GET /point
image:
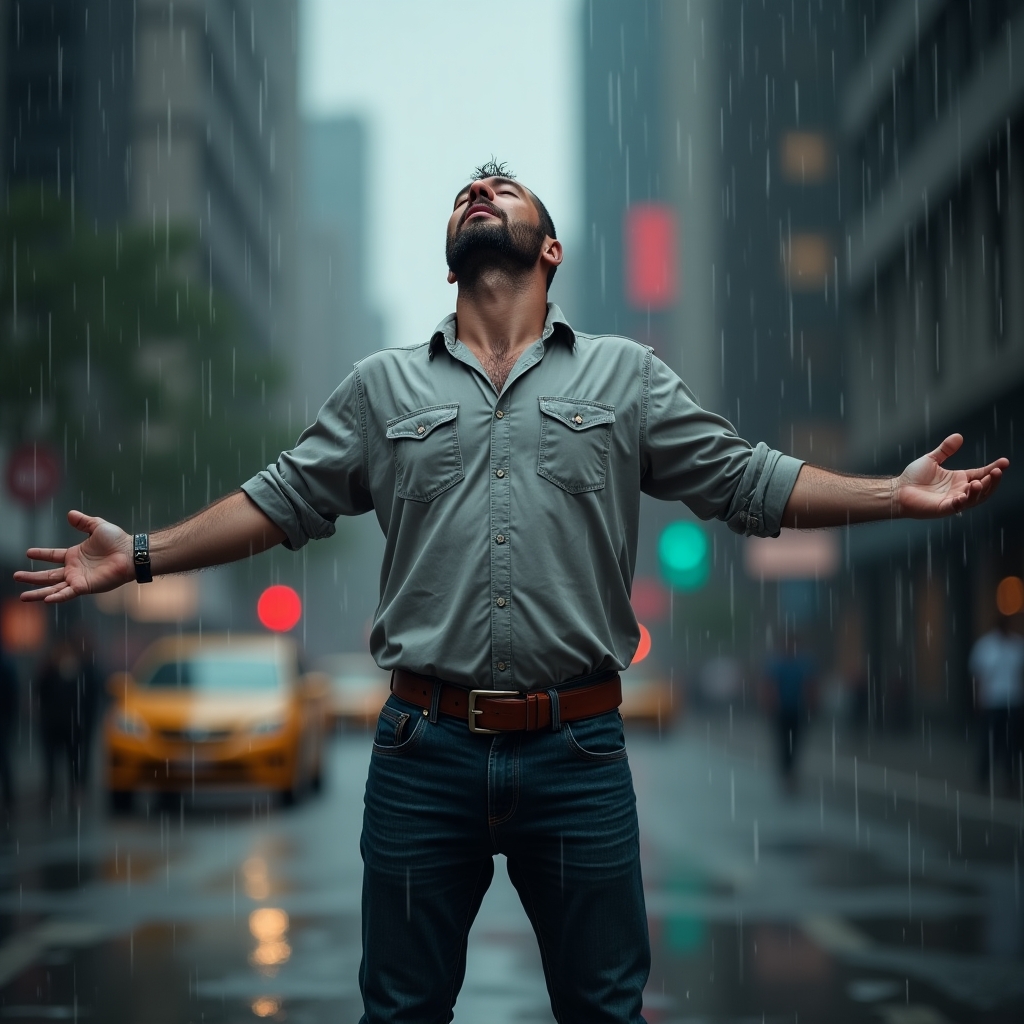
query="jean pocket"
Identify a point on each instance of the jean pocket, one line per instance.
(397, 731)
(596, 739)
(428, 460)
(575, 438)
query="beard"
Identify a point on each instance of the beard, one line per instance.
(512, 248)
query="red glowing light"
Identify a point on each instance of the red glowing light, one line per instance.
(651, 255)
(644, 647)
(279, 608)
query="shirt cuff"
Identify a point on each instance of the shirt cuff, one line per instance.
(287, 509)
(760, 499)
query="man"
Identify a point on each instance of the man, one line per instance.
(997, 664)
(9, 702)
(790, 681)
(504, 460)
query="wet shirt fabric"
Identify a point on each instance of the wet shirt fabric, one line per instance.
(511, 517)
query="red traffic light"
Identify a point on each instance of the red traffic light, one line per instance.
(279, 608)
(644, 647)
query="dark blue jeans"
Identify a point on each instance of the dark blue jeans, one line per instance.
(440, 803)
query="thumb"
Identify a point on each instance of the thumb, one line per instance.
(948, 447)
(80, 521)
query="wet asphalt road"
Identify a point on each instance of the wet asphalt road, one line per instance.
(894, 900)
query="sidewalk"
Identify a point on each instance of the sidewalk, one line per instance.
(935, 769)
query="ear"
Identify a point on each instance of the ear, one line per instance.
(551, 253)
(451, 278)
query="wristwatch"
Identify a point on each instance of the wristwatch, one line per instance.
(140, 556)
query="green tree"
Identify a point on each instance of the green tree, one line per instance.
(117, 353)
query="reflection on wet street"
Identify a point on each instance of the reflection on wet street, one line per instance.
(863, 898)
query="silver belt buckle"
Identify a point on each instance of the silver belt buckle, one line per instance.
(474, 711)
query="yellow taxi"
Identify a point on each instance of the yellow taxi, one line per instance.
(215, 712)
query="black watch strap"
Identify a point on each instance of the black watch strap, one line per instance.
(140, 556)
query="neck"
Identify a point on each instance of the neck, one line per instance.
(501, 312)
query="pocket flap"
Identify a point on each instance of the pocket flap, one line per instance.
(577, 414)
(418, 425)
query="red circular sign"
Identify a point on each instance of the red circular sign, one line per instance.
(33, 473)
(279, 608)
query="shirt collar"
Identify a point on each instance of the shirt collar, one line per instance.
(555, 327)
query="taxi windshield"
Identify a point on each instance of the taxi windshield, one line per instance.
(215, 673)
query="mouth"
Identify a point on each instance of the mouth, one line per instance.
(479, 210)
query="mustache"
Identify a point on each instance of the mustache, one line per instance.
(488, 206)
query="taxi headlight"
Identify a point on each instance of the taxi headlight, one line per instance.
(268, 727)
(130, 724)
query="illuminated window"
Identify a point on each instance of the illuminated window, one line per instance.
(806, 157)
(807, 262)
(651, 263)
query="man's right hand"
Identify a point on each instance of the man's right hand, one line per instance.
(103, 561)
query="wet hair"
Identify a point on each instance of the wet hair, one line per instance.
(495, 169)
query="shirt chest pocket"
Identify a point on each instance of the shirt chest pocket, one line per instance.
(575, 439)
(428, 460)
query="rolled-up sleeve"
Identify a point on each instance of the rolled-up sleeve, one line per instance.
(695, 456)
(324, 476)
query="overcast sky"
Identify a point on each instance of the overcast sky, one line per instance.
(444, 84)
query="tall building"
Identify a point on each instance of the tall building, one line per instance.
(177, 113)
(336, 327)
(932, 116)
(714, 219)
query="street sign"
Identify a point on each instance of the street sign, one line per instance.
(33, 473)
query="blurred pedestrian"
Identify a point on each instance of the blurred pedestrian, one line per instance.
(790, 678)
(8, 723)
(68, 692)
(997, 664)
(504, 457)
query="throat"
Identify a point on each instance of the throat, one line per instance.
(498, 360)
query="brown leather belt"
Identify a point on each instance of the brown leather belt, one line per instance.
(490, 711)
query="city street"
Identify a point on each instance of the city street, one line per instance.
(872, 895)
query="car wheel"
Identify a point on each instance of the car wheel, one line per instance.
(120, 800)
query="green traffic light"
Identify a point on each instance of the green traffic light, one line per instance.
(683, 556)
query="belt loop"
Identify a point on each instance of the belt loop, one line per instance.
(556, 714)
(435, 700)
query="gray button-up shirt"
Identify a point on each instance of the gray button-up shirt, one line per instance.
(511, 517)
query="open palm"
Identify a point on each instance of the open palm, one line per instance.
(927, 490)
(101, 562)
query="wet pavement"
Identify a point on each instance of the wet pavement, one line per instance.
(862, 898)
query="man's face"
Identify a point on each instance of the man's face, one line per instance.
(494, 223)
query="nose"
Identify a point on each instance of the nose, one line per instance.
(480, 189)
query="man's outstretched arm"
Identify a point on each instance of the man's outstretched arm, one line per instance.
(924, 490)
(225, 531)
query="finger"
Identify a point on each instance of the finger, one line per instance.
(993, 467)
(80, 521)
(43, 593)
(948, 447)
(46, 554)
(60, 595)
(37, 576)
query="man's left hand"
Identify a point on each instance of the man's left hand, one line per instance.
(926, 490)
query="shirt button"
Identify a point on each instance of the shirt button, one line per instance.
(500, 414)
(501, 666)
(419, 430)
(500, 474)
(500, 539)
(500, 602)
(577, 419)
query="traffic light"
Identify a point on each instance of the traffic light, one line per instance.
(683, 556)
(279, 608)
